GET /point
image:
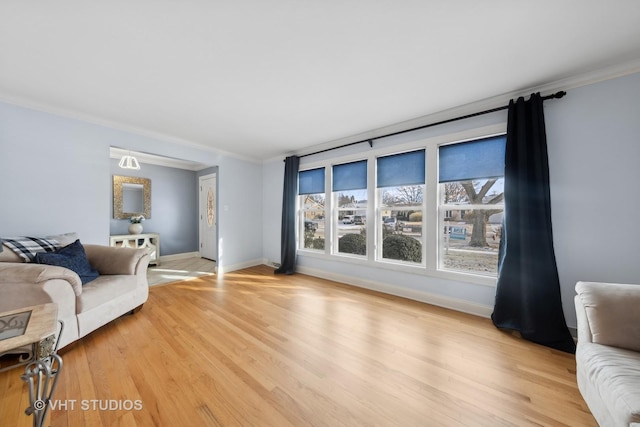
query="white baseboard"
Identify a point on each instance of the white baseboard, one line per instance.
(574, 333)
(416, 295)
(246, 264)
(270, 263)
(219, 269)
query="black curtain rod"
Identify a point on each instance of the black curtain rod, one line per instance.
(556, 95)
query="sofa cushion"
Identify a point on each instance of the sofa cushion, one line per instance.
(104, 288)
(612, 311)
(615, 374)
(72, 257)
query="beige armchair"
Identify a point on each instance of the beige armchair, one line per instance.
(608, 351)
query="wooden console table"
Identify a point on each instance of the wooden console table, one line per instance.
(145, 240)
(34, 330)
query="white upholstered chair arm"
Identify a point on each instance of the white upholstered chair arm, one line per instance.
(609, 313)
(113, 260)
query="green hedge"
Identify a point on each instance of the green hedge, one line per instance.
(403, 248)
(353, 244)
(318, 243)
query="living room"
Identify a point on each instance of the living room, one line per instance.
(57, 172)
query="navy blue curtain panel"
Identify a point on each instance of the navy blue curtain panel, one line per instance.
(528, 296)
(288, 238)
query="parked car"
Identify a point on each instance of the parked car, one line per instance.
(347, 219)
(358, 219)
(390, 222)
(310, 225)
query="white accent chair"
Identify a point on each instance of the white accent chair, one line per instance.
(608, 351)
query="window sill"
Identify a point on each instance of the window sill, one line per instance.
(405, 268)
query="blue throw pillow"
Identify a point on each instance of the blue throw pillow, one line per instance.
(72, 257)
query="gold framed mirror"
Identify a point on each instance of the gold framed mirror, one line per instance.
(131, 197)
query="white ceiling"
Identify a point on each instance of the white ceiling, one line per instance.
(263, 78)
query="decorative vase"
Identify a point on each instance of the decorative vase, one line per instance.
(135, 228)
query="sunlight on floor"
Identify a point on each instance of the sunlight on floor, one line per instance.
(183, 269)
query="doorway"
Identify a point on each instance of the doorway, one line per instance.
(208, 217)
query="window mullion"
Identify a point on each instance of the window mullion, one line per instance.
(431, 200)
(330, 215)
(372, 217)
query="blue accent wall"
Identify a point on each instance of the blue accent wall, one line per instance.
(174, 207)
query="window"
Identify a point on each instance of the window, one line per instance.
(431, 207)
(470, 211)
(350, 215)
(400, 206)
(312, 208)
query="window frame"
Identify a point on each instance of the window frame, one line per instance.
(335, 219)
(429, 266)
(443, 237)
(301, 213)
(301, 224)
(379, 208)
(444, 207)
(336, 209)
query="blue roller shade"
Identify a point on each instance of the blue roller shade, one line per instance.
(401, 169)
(480, 159)
(311, 181)
(350, 176)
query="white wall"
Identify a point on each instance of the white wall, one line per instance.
(240, 214)
(272, 187)
(55, 175)
(594, 160)
(594, 154)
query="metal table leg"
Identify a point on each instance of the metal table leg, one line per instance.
(41, 375)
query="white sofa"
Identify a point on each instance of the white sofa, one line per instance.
(608, 351)
(121, 287)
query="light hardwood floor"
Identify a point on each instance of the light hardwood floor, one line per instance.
(255, 349)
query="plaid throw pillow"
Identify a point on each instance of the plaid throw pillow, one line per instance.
(27, 247)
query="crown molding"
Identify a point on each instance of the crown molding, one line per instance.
(153, 159)
(91, 119)
(583, 79)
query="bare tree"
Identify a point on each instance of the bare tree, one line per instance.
(454, 192)
(407, 195)
(345, 200)
(479, 218)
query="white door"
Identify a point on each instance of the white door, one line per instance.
(208, 217)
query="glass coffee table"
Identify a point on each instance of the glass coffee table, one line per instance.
(34, 331)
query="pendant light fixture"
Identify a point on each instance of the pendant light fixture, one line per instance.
(129, 162)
